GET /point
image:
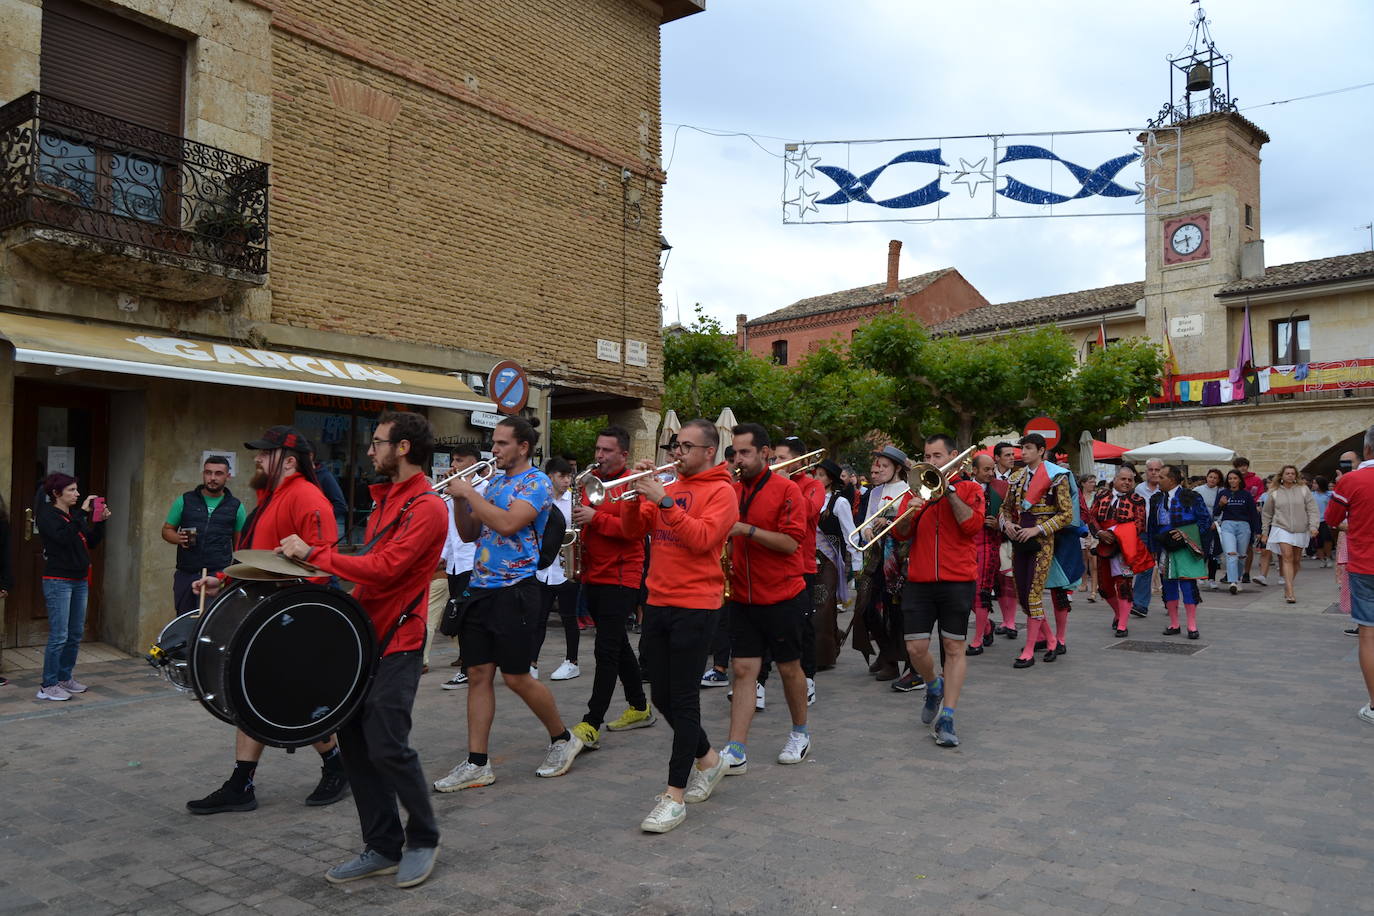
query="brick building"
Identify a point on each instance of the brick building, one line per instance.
(788, 334)
(226, 214)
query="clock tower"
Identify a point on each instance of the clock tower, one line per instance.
(1202, 207)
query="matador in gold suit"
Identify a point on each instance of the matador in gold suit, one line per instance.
(1046, 504)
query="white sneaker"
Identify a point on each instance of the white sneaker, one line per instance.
(758, 696)
(55, 692)
(560, 757)
(810, 692)
(534, 672)
(466, 775)
(795, 749)
(701, 783)
(735, 764)
(666, 815)
(1366, 714)
(1259, 580)
(454, 683)
(566, 671)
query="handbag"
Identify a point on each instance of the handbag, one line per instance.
(451, 624)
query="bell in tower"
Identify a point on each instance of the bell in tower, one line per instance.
(1198, 67)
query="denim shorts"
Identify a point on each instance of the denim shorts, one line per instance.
(1362, 598)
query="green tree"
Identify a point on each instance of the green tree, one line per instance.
(832, 401)
(704, 372)
(1112, 387)
(575, 439)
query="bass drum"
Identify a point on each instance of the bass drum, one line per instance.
(171, 654)
(287, 664)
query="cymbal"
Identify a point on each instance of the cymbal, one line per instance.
(273, 565)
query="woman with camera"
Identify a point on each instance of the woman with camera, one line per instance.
(69, 533)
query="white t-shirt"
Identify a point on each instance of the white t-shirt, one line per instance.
(554, 574)
(459, 555)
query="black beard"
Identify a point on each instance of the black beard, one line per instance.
(259, 481)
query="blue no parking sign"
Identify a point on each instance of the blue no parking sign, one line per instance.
(509, 387)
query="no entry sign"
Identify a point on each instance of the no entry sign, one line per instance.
(1045, 427)
(509, 387)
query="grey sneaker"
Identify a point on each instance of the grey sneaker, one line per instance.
(666, 815)
(416, 864)
(54, 692)
(72, 686)
(466, 775)
(364, 865)
(560, 757)
(701, 783)
(943, 732)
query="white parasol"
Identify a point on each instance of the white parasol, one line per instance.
(671, 426)
(1181, 450)
(724, 424)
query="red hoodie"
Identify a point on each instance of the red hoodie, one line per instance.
(942, 549)
(397, 570)
(684, 565)
(759, 575)
(608, 556)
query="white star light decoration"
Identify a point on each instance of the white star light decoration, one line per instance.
(972, 174)
(803, 162)
(1151, 152)
(804, 202)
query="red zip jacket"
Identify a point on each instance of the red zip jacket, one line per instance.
(942, 549)
(813, 498)
(608, 556)
(397, 570)
(297, 507)
(759, 575)
(684, 565)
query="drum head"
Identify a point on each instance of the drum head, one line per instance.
(175, 643)
(297, 664)
(270, 562)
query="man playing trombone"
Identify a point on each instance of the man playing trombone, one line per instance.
(877, 605)
(942, 573)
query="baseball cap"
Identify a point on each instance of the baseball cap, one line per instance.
(282, 437)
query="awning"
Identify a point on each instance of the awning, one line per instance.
(1105, 451)
(137, 351)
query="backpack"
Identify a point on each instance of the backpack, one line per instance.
(551, 541)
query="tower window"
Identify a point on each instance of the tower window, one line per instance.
(1249, 217)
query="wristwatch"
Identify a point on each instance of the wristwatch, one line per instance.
(666, 502)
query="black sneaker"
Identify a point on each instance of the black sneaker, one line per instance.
(224, 799)
(1138, 612)
(908, 682)
(333, 786)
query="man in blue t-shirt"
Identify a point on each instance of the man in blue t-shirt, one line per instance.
(502, 601)
(203, 524)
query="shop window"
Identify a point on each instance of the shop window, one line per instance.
(1290, 340)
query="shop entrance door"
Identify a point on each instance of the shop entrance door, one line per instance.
(56, 428)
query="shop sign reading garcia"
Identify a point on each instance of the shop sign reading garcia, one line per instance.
(509, 387)
(262, 359)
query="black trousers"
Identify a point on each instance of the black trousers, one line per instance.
(720, 645)
(566, 596)
(808, 626)
(457, 584)
(675, 642)
(381, 765)
(611, 606)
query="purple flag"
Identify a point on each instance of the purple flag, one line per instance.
(1245, 358)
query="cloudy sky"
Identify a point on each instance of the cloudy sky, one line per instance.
(809, 70)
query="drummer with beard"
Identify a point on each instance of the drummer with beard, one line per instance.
(405, 536)
(289, 502)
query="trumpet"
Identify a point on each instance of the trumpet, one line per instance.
(480, 472)
(931, 484)
(597, 491)
(810, 460)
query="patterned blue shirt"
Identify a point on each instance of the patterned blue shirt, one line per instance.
(502, 560)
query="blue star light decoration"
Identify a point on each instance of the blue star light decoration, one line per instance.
(972, 174)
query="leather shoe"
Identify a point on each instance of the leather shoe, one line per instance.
(1041, 644)
(1023, 662)
(1194, 634)
(974, 650)
(1172, 631)
(1049, 656)
(875, 667)
(988, 640)
(1121, 633)
(887, 672)
(1061, 649)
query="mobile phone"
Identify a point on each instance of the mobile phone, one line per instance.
(1347, 465)
(98, 508)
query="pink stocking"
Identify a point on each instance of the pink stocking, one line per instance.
(1191, 609)
(1047, 634)
(1173, 613)
(1006, 600)
(1061, 624)
(1123, 609)
(1032, 635)
(980, 620)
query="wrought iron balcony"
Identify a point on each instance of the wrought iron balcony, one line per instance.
(71, 169)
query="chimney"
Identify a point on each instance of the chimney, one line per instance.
(894, 257)
(741, 335)
(1252, 260)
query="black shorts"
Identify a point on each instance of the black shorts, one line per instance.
(776, 628)
(498, 624)
(926, 604)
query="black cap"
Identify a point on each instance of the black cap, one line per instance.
(831, 469)
(670, 444)
(282, 437)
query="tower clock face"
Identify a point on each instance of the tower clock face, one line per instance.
(1186, 239)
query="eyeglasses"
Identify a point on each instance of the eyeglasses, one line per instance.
(377, 442)
(685, 446)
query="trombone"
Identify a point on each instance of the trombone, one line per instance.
(480, 472)
(597, 490)
(810, 460)
(931, 483)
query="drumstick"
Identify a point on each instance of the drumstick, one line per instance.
(204, 573)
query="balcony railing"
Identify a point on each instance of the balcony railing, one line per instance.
(1313, 381)
(79, 171)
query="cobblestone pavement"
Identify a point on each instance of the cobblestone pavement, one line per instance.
(1109, 782)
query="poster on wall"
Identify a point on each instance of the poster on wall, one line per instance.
(231, 457)
(62, 459)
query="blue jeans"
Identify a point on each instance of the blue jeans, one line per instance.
(1140, 598)
(1235, 540)
(66, 600)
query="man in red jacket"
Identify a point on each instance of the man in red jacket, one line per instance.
(942, 573)
(813, 499)
(289, 502)
(407, 532)
(688, 520)
(612, 568)
(768, 594)
(1352, 502)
